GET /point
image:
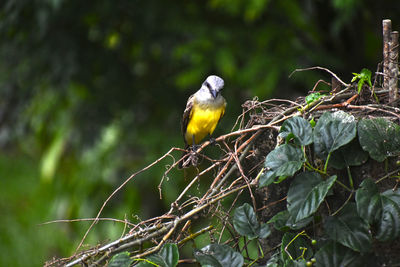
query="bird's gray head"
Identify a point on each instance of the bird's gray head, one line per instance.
(213, 84)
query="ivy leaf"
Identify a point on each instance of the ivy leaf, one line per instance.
(284, 160)
(332, 131)
(293, 250)
(120, 260)
(246, 223)
(266, 178)
(279, 220)
(380, 137)
(215, 255)
(299, 128)
(368, 201)
(389, 226)
(168, 256)
(349, 155)
(333, 254)
(306, 193)
(349, 229)
(283, 221)
(313, 97)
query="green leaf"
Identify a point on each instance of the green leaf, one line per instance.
(294, 248)
(266, 178)
(246, 223)
(168, 256)
(332, 131)
(120, 260)
(349, 229)
(368, 201)
(313, 97)
(299, 128)
(306, 193)
(380, 137)
(280, 219)
(284, 160)
(389, 226)
(283, 221)
(215, 255)
(365, 75)
(333, 254)
(349, 155)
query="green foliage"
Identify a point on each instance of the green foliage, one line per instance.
(313, 97)
(306, 193)
(297, 128)
(284, 161)
(363, 77)
(350, 230)
(215, 255)
(85, 105)
(374, 135)
(168, 256)
(246, 223)
(333, 254)
(120, 260)
(332, 131)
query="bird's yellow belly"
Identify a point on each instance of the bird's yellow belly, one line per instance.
(202, 123)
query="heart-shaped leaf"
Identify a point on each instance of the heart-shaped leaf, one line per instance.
(333, 254)
(380, 137)
(120, 260)
(368, 201)
(389, 226)
(215, 255)
(332, 131)
(168, 256)
(349, 229)
(299, 128)
(349, 155)
(246, 223)
(284, 160)
(306, 193)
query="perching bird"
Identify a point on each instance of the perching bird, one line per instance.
(204, 109)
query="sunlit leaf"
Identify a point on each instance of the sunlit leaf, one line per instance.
(380, 137)
(215, 255)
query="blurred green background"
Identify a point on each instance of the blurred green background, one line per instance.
(92, 91)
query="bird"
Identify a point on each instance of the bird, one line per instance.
(204, 109)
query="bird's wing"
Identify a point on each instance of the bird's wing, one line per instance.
(187, 114)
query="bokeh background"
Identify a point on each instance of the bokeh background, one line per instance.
(92, 91)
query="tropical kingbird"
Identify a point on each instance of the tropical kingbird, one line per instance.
(203, 111)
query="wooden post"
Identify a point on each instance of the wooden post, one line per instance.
(390, 60)
(387, 29)
(393, 67)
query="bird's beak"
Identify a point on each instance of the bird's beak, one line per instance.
(214, 93)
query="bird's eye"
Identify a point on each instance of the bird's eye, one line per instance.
(208, 85)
